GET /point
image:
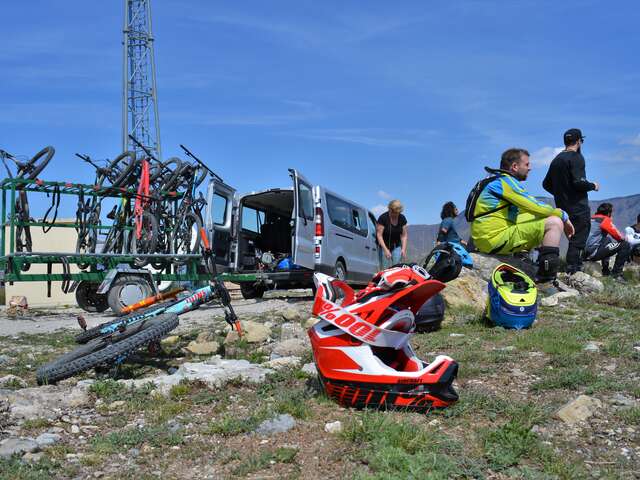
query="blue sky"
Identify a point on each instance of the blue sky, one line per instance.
(375, 100)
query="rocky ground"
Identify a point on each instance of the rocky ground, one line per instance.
(560, 400)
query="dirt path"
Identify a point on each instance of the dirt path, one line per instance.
(50, 320)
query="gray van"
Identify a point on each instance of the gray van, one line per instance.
(277, 238)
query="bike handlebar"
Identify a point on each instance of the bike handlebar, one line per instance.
(201, 163)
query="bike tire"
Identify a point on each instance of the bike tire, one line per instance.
(33, 174)
(125, 174)
(98, 353)
(94, 332)
(179, 239)
(148, 240)
(88, 299)
(166, 168)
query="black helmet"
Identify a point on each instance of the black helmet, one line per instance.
(443, 263)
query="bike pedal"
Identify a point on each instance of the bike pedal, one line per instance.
(82, 322)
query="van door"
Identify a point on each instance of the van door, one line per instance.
(372, 243)
(303, 221)
(219, 221)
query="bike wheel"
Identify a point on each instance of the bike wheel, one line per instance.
(158, 171)
(33, 167)
(95, 332)
(123, 169)
(186, 237)
(88, 299)
(107, 350)
(148, 238)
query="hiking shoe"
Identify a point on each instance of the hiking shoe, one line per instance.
(549, 287)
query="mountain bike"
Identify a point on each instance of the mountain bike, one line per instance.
(112, 342)
(28, 170)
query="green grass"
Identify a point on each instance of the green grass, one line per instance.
(120, 441)
(15, 469)
(264, 459)
(230, 425)
(36, 424)
(630, 416)
(617, 295)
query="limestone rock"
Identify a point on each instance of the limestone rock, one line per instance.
(468, 290)
(13, 445)
(483, 265)
(333, 427)
(44, 402)
(291, 314)
(281, 423)
(204, 348)
(213, 372)
(310, 322)
(553, 300)
(583, 282)
(206, 336)
(252, 332)
(292, 347)
(310, 368)
(291, 330)
(593, 347)
(12, 381)
(578, 409)
(46, 439)
(170, 341)
(283, 363)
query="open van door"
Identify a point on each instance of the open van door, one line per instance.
(219, 218)
(302, 221)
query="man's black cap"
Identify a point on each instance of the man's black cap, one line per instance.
(572, 135)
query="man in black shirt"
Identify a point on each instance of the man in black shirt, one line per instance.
(566, 181)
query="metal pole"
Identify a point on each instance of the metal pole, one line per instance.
(154, 88)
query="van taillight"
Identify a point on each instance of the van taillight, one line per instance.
(319, 222)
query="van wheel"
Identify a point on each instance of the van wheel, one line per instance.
(250, 291)
(340, 271)
(127, 290)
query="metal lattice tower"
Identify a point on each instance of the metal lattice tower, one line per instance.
(139, 94)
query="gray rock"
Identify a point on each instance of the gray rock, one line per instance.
(30, 457)
(12, 381)
(174, 426)
(310, 322)
(584, 283)
(45, 402)
(621, 400)
(46, 439)
(253, 332)
(283, 363)
(291, 314)
(310, 368)
(203, 348)
(13, 445)
(4, 359)
(213, 372)
(294, 347)
(333, 427)
(133, 452)
(279, 424)
(593, 347)
(291, 330)
(553, 300)
(483, 265)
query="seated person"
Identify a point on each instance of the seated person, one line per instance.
(633, 237)
(507, 219)
(605, 241)
(447, 231)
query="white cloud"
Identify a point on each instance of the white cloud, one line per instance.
(544, 156)
(378, 209)
(635, 141)
(375, 137)
(384, 195)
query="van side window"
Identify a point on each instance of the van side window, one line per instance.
(339, 212)
(219, 209)
(252, 219)
(359, 221)
(305, 207)
(372, 227)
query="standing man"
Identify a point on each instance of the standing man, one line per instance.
(566, 181)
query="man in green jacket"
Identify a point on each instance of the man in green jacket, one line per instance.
(507, 219)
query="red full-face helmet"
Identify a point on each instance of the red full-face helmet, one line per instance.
(361, 343)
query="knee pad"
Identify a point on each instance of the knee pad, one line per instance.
(548, 263)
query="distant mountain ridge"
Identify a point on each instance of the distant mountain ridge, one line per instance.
(422, 237)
